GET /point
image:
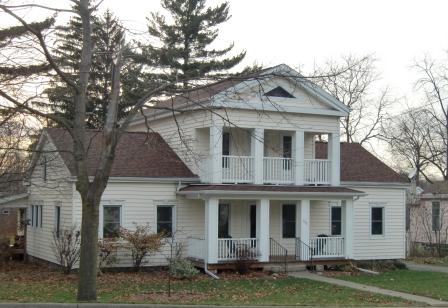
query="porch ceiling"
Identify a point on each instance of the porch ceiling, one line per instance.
(248, 191)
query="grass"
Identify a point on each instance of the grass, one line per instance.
(28, 283)
(429, 284)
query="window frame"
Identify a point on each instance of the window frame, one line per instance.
(293, 221)
(57, 220)
(383, 220)
(331, 219)
(433, 203)
(120, 206)
(173, 218)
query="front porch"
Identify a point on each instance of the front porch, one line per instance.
(276, 229)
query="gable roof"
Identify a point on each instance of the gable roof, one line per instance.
(137, 155)
(359, 165)
(220, 90)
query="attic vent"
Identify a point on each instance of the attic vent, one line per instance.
(279, 92)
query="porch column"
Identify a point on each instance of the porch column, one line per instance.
(215, 154)
(257, 150)
(334, 145)
(211, 229)
(299, 156)
(263, 229)
(304, 227)
(348, 228)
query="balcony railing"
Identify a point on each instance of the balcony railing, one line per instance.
(237, 169)
(278, 170)
(317, 171)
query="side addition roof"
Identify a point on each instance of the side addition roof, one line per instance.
(137, 155)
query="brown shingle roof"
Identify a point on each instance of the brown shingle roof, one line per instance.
(437, 187)
(269, 188)
(359, 165)
(137, 155)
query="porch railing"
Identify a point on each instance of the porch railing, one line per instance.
(325, 247)
(196, 248)
(238, 248)
(320, 248)
(317, 171)
(237, 169)
(278, 170)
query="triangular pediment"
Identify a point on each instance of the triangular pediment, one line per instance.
(279, 92)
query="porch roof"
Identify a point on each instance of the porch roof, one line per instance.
(269, 191)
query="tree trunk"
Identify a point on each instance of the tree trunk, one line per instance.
(89, 251)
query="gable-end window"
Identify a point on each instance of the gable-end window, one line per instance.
(377, 220)
(57, 221)
(165, 219)
(289, 220)
(279, 92)
(40, 215)
(36, 216)
(336, 220)
(436, 216)
(111, 221)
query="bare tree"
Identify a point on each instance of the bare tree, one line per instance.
(66, 245)
(351, 80)
(434, 82)
(407, 137)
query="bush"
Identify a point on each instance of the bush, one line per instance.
(142, 243)
(66, 247)
(244, 260)
(181, 268)
(107, 253)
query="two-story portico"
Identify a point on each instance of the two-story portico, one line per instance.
(263, 190)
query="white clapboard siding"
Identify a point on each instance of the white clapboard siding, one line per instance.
(392, 244)
(57, 190)
(139, 205)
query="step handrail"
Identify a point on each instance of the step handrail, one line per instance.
(299, 245)
(277, 250)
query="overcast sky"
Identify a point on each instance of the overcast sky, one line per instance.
(301, 33)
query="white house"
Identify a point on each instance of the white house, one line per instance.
(236, 168)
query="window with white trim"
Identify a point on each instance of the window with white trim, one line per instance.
(165, 219)
(289, 220)
(435, 211)
(111, 221)
(377, 220)
(336, 220)
(57, 220)
(36, 216)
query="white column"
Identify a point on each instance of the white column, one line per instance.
(263, 229)
(305, 226)
(348, 228)
(215, 154)
(299, 156)
(334, 155)
(257, 150)
(211, 229)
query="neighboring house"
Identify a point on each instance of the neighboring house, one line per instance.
(13, 204)
(238, 168)
(428, 216)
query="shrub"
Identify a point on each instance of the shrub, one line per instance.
(142, 243)
(66, 247)
(107, 255)
(244, 259)
(182, 269)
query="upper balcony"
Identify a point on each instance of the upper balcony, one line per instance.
(259, 156)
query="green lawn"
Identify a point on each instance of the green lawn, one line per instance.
(429, 284)
(33, 284)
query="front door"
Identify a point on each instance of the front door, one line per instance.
(253, 221)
